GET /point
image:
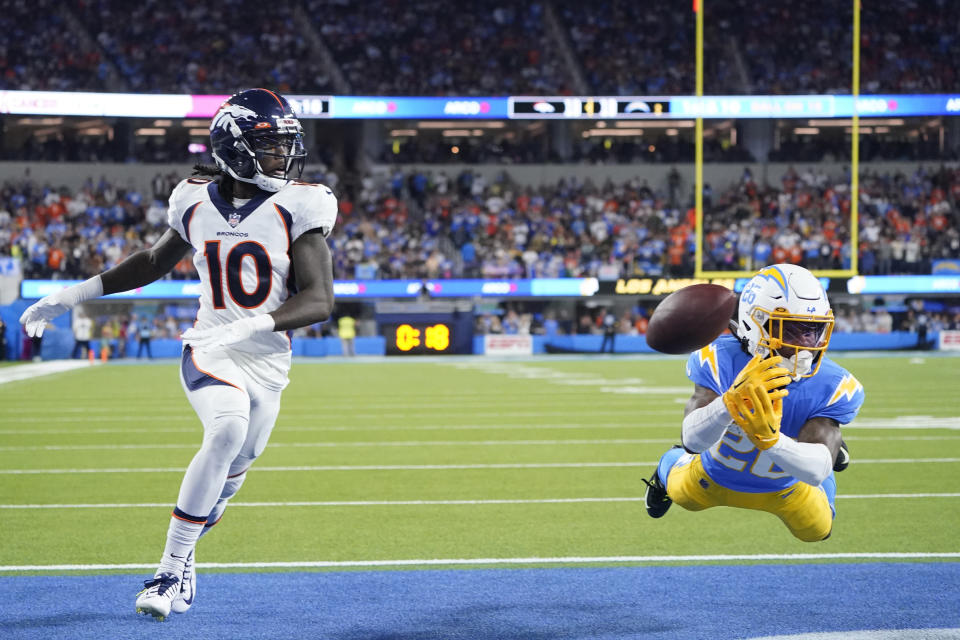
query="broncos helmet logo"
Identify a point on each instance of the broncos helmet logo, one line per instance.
(228, 115)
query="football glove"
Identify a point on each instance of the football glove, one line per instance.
(37, 315)
(755, 400)
(228, 334)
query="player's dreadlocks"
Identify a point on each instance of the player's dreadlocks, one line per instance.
(225, 181)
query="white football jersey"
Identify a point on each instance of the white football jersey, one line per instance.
(243, 256)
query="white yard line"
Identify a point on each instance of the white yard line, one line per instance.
(424, 467)
(335, 445)
(428, 503)
(283, 428)
(333, 564)
(37, 369)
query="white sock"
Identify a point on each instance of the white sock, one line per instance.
(182, 536)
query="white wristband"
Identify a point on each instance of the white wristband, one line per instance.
(808, 462)
(704, 426)
(86, 290)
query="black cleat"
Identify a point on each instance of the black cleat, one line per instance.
(656, 497)
(843, 458)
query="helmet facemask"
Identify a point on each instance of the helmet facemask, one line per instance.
(800, 339)
(784, 310)
(278, 158)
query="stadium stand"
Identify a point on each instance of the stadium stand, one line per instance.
(194, 47)
(67, 65)
(425, 224)
(618, 47)
(478, 49)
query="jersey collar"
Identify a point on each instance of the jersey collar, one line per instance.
(226, 209)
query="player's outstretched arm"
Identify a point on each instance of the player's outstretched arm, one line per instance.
(705, 419)
(144, 267)
(825, 431)
(313, 301)
(138, 270)
(811, 457)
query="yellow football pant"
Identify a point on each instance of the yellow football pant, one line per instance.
(803, 508)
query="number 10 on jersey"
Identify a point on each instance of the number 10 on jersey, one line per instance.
(233, 267)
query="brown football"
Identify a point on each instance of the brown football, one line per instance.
(691, 318)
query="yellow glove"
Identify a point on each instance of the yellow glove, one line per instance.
(755, 400)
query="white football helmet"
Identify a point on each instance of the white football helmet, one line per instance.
(784, 309)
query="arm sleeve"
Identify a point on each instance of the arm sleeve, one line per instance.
(319, 212)
(808, 462)
(704, 426)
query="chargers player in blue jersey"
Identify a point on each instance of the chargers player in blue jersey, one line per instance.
(762, 428)
(258, 237)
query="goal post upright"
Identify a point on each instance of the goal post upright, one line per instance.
(698, 142)
(855, 147)
(699, 271)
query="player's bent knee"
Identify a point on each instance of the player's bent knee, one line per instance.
(225, 436)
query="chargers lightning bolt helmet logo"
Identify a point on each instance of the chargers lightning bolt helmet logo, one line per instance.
(785, 309)
(253, 126)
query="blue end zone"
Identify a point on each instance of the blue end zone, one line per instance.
(541, 604)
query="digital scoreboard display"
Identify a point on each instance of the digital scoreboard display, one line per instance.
(418, 338)
(586, 108)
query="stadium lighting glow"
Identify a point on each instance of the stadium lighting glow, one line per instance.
(846, 122)
(613, 132)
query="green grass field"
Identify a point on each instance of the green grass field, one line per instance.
(422, 433)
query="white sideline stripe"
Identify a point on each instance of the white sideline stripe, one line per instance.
(387, 443)
(906, 423)
(439, 427)
(428, 467)
(372, 467)
(417, 503)
(37, 369)
(774, 557)
(497, 413)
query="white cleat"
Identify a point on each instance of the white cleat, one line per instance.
(188, 587)
(157, 596)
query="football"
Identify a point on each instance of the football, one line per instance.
(691, 318)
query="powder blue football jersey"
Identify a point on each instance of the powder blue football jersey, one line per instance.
(734, 462)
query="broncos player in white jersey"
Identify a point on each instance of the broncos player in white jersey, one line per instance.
(259, 242)
(762, 429)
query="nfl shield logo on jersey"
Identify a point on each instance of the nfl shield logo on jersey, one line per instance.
(234, 219)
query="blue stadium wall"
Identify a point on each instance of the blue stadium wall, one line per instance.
(58, 342)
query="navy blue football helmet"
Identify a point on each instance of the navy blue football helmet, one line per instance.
(254, 128)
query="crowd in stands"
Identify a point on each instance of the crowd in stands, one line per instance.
(433, 225)
(39, 53)
(400, 47)
(423, 48)
(906, 222)
(202, 47)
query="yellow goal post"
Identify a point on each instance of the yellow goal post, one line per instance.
(699, 271)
